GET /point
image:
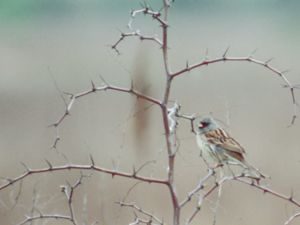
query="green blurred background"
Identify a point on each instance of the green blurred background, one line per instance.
(44, 44)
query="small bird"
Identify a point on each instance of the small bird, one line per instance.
(219, 147)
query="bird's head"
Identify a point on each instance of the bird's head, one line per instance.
(206, 124)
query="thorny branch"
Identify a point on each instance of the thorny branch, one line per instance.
(94, 89)
(169, 115)
(140, 210)
(90, 167)
(265, 64)
(169, 119)
(251, 183)
(68, 190)
(138, 34)
(50, 216)
(146, 10)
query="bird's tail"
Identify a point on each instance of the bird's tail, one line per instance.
(252, 172)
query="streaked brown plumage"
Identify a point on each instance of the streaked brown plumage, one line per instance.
(218, 146)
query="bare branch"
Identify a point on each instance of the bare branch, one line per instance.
(82, 167)
(138, 34)
(292, 218)
(43, 217)
(140, 210)
(146, 11)
(269, 191)
(191, 118)
(94, 89)
(265, 64)
(199, 187)
(240, 178)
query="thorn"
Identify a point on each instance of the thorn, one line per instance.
(103, 80)
(286, 86)
(49, 164)
(131, 85)
(292, 195)
(187, 65)
(92, 161)
(131, 12)
(252, 53)
(57, 139)
(293, 120)
(133, 171)
(69, 94)
(225, 53)
(93, 86)
(268, 61)
(26, 167)
(284, 71)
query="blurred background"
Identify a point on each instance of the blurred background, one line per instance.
(51, 46)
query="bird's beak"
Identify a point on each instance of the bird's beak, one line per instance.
(200, 125)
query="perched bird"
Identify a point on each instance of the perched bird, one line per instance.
(217, 146)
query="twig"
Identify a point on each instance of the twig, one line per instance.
(199, 187)
(292, 218)
(95, 89)
(140, 210)
(90, 167)
(45, 216)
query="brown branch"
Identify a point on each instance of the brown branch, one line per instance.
(269, 191)
(103, 88)
(94, 89)
(90, 167)
(170, 137)
(265, 64)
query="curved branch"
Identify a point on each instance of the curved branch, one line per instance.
(95, 89)
(135, 34)
(106, 87)
(265, 64)
(292, 218)
(91, 167)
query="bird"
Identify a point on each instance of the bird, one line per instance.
(217, 146)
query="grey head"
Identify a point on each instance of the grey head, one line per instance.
(206, 124)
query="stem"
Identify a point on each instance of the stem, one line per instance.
(168, 135)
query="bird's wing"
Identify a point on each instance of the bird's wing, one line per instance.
(222, 139)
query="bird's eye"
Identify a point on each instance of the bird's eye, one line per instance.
(203, 125)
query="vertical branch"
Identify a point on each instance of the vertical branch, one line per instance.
(170, 148)
(165, 36)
